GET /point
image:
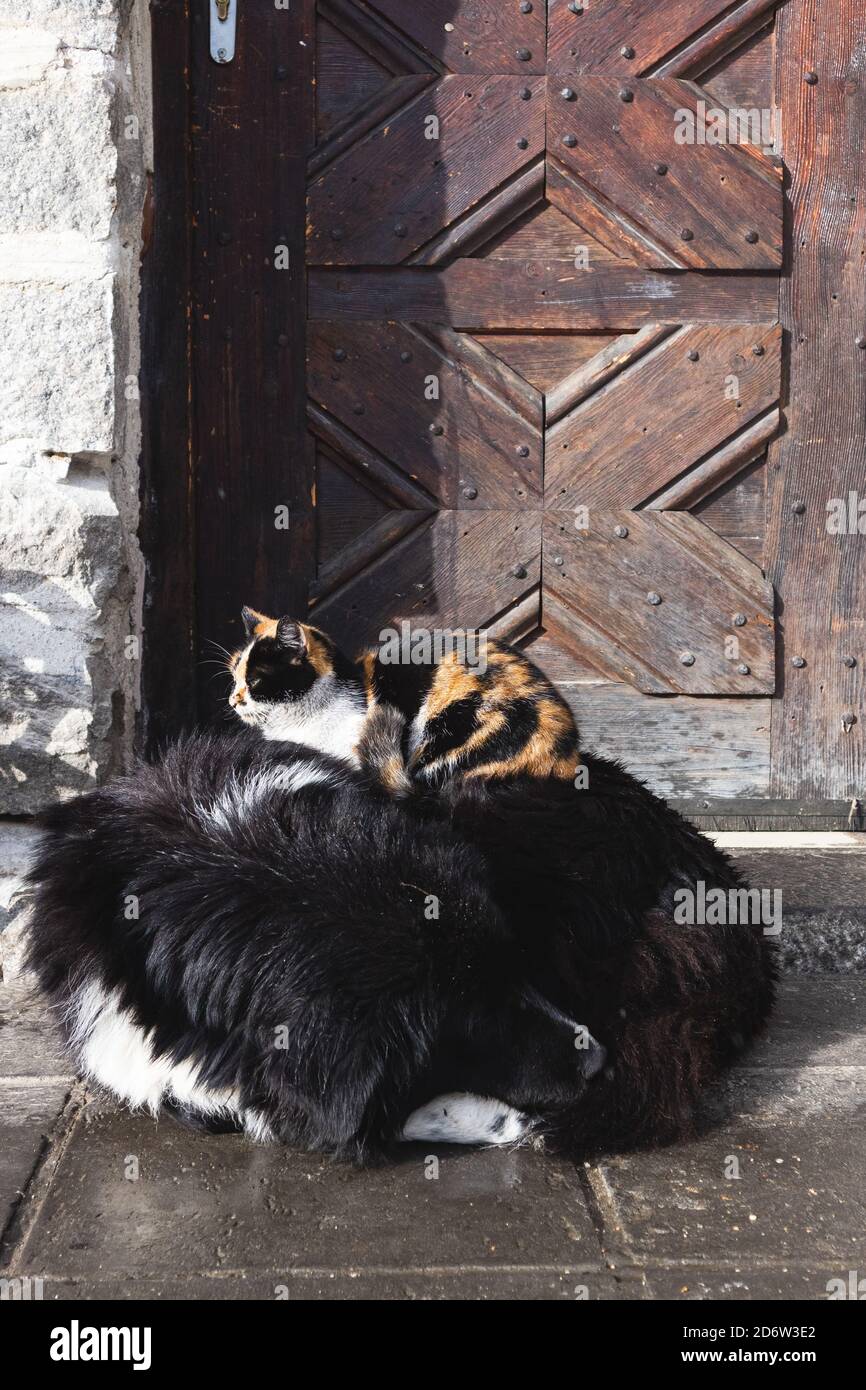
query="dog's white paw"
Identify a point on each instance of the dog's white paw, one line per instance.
(462, 1118)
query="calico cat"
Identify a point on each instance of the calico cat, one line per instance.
(500, 718)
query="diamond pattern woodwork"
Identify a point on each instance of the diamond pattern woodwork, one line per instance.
(500, 190)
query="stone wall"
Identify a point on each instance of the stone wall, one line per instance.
(74, 156)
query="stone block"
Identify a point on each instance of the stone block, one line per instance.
(57, 365)
(58, 157)
(63, 560)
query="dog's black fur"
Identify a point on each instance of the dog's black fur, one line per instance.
(587, 880)
(299, 911)
(309, 911)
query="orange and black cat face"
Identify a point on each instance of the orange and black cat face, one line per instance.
(282, 663)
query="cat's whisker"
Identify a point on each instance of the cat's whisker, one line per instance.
(209, 642)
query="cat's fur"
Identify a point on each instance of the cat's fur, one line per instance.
(499, 718)
(588, 878)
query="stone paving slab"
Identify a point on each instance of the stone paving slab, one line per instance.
(515, 1285)
(818, 1023)
(201, 1203)
(220, 1218)
(799, 1197)
(741, 1283)
(30, 1044)
(809, 878)
(28, 1115)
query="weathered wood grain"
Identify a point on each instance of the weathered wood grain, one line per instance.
(345, 506)
(737, 511)
(545, 232)
(715, 206)
(717, 42)
(613, 358)
(541, 294)
(545, 359)
(482, 223)
(167, 687)
(472, 36)
(719, 466)
(349, 111)
(821, 577)
(391, 48)
(593, 40)
(681, 746)
(376, 472)
(653, 598)
(616, 232)
(745, 77)
(252, 125)
(645, 427)
(470, 438)
(363, 551)
(761, 813)
(396, 188)
(455, 570)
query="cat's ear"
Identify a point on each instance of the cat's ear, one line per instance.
(252, 621)
(291, 638)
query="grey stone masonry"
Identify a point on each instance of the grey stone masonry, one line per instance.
(74, 157)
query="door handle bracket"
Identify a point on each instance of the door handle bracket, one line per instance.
(223, 25)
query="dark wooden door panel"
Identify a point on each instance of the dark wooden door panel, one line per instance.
(414, 243)
(631, 38)
(819, 567)
(456, 421)
(698, 206)
(415, 247)
(393, 191)
(474, 35)
(523, 303)
(658, 600)
(621, 448)
(547, 295)
(453, 570)
(252, 469)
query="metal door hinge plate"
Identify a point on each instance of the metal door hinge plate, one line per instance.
(223, 23)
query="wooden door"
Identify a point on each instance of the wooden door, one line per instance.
(519, 267)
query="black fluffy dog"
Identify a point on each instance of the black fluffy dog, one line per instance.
(595, 884)
(252, 936)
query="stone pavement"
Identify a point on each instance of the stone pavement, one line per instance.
(103, 1204)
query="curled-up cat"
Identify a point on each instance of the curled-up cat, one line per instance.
(490, 719)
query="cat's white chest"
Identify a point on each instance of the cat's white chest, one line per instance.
(331, 726)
